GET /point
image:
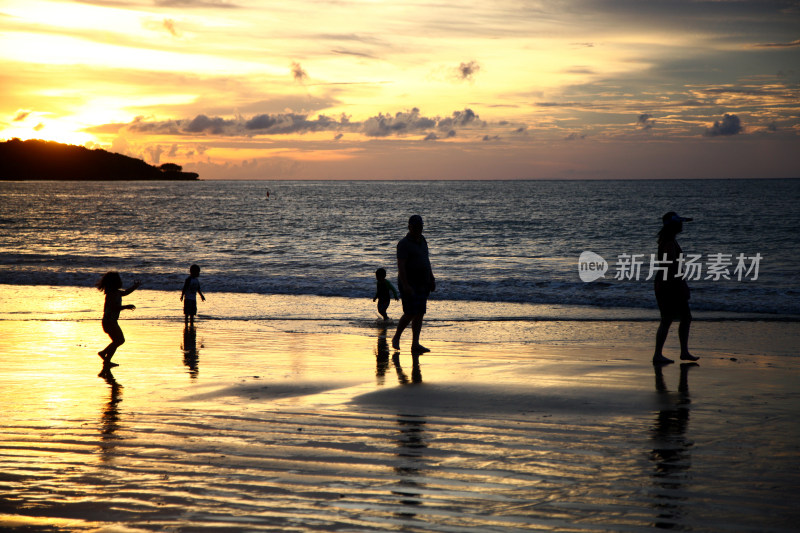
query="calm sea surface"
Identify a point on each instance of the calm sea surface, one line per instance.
(490, 241)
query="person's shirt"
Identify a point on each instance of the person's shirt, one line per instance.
(113, 305)
(417, 263)
(191, 288)
(672, 250)
(383, 288)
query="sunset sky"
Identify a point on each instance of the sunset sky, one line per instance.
(366, 89)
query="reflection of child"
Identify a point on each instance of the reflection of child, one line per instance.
(382, 292)
(111, 284)
(191, 288)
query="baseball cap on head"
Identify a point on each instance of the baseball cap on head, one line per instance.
(672, 216)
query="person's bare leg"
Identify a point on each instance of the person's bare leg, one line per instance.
(661, 338)
(117, 340)
(416, 329)
(404, 321)
(683, 335)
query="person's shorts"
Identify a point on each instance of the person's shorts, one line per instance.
(189, 307)
(673, 305)
(383, 304)
(416, 304)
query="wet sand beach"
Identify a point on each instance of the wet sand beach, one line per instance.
(238, 426)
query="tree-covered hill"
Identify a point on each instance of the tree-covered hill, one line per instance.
(47, 160)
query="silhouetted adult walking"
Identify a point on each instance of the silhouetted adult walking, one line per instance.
(672, 291)
(416, 282)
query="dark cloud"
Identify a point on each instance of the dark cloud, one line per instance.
(401, 123)
(21, 115)
(565, 104)
(38, 127)
(289, 123)
(487, 138)
(792, 44)
(574, 137)
(298, 73)
(692, 103)
(467, 70)
(431, 137)
(460, 119)
(729, 125)
(748, 91)
(645, 121)
(202, 123)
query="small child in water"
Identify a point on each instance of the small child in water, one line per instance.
(191, 288)
(382, 292)
(111, 285)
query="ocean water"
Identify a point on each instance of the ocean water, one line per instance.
(493, 242)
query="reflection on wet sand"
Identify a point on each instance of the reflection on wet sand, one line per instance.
(381, 356)
(411, 446)
(402, 377)
(381, 353)
(671, 449)
(516, 440)
(191, 356)
(109, 420)
(411, 443)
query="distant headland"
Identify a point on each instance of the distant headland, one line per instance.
(47, 160)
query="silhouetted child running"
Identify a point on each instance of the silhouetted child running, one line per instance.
(382, 292)
(111, 285)
(191, 288)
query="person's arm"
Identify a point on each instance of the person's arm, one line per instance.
(431, 278)
(185, 288)
(132, 288)
(394, 291)
(405, 288)
(200, 293)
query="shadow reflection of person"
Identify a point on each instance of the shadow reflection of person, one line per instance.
(411, 443)
(109, 420)
(411, 446)
(671, 455)
(381, 356)
(190, 354)
(402, 377)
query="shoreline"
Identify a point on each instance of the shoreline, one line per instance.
(447, 321)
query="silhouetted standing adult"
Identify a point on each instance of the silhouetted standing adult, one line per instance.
(416, 282)
(672, 291)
